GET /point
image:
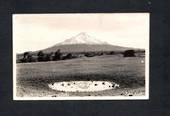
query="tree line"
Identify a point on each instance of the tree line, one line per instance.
(40, 57)
(55, 56)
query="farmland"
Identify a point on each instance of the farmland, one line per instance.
(128, 72)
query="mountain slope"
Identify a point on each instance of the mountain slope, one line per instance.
(84, 48)
(83, 43)
(82, 38)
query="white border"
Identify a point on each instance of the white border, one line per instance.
(146, 97)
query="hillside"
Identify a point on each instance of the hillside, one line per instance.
(84, 48)
(84, 43)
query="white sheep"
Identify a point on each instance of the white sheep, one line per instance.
(116, 86)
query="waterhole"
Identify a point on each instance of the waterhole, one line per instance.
(83, 86)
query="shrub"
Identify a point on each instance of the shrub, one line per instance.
(112, 53)
(89, 54)
(68, 56)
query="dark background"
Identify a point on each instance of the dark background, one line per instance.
(157, 105)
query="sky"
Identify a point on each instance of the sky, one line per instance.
(33, 32)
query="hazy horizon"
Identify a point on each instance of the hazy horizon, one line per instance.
(33, 32)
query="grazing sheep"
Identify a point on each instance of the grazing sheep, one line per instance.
(116, 86)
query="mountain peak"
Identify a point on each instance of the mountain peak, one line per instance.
(83, 33)
(82, 38)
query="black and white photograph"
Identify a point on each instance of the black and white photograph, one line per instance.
(81, 56)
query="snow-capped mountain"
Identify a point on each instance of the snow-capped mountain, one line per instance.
(83, 43)
(83, 38)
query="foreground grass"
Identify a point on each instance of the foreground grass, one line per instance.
(34, 77)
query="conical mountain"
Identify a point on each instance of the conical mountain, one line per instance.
(82, 38)
(83, 43)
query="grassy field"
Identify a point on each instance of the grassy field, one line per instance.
(129, 73)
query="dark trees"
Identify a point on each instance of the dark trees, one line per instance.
(89, 54)
(57, 55)
(27, 57)
(112, 53)
(47, 57)
(41, 56)
(68, 56)
(129, 53)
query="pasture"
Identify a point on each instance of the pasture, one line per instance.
(128, 72)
